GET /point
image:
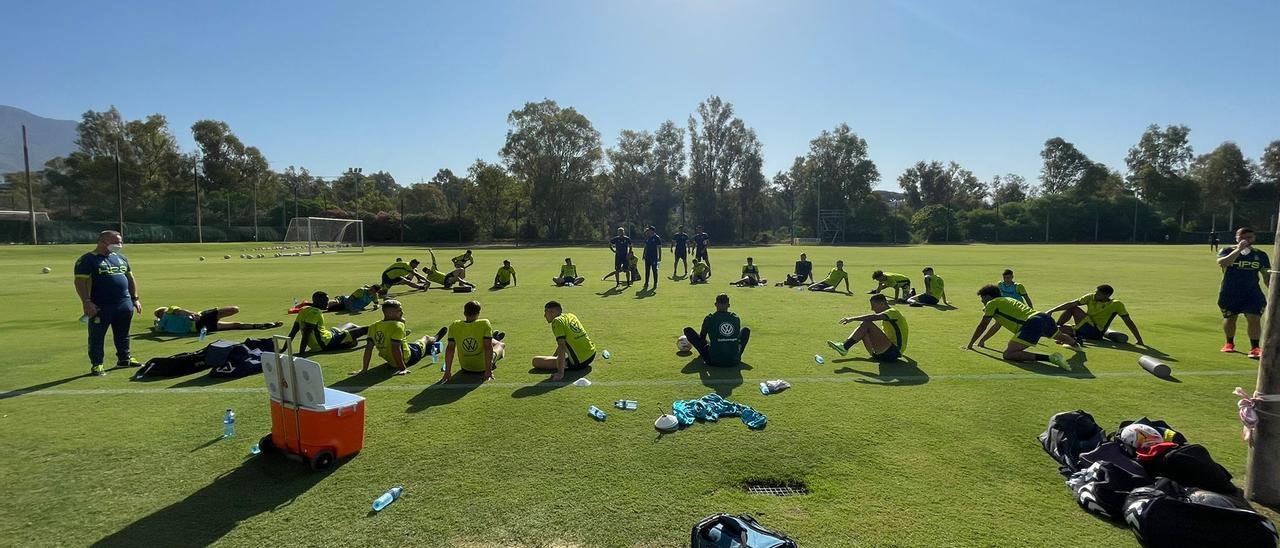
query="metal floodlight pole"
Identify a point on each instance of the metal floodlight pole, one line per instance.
(119, 190)
(31, 204)
(1262, 478)
(355, 174)
(255, 207)
(1135, 215)
(195, 177)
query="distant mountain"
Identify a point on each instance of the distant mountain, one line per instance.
(46, 138)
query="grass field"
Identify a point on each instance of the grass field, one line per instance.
(938, 453)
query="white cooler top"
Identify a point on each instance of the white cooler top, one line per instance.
(308, 389)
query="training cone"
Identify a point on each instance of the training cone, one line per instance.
(1154, 366)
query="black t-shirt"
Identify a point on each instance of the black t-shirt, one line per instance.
(804, 269)
(651, 245)
(620, 245)
(1242, 275)
(700, 241)
(681, 242)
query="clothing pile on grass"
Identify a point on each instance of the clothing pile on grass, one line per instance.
(1149, 476)
(221, 358)
(711, 407)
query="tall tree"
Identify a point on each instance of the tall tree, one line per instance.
(1009, 188)
(1222, 174)
(840, 170)
(715, 151)
(494, 191)
(1064, 167)
(937, 184)
(554, 151)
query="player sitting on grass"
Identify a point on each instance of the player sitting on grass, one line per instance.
(446, 279)
(463, 261)
(506, 276)
(358, 300)
(574, 349)
(568, 275)
(1099, 310)
(1012, 289)
(804, 273)
(750, 275)
(475, 344)
(391, 338)
(722, 339)
(401, 272)
(833, 280)
(177, 321)
(701, 272)
(1027, 325)
(884, 342)
(315, 335)
(901, 284)
(934, 290)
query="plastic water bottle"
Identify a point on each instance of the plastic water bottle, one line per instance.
(596, 413)
(387, 498)
(256, 449)
(204, 332)
(435, 352)
(229, 424)
(606, 354)
(625, 404)
(819, 359)
(84, 319)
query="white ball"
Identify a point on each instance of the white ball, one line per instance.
(46, 270)
(226, 256)
(682, 344)
(1140, 436)
(570, 284)
(202, 257)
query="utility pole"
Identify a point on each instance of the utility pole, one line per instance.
(31, 204)
(402, 216)
(195, 177)
(255, 207)
(119, 189)
(355, 172)
(1136, 201)
(1262, 477)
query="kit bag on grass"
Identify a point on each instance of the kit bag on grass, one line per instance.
(232, 360)
(1167, 514)
(1069, 434)
(726, 531)
(1107, 488)
(177, 365)
(1191, 466)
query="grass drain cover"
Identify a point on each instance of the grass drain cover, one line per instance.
(776, 489)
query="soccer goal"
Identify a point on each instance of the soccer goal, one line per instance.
(316, 235)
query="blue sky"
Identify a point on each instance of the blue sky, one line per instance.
(411, 87)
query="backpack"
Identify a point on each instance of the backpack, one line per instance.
(177, 365)
(1191, 466)
(743, 531)
(232, 360)
(1113, 452)
(1167, 514)
(1105, 487)
(1069, 434)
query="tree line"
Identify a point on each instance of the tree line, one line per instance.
(556, 180)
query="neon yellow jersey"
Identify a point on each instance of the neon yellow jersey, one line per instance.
(460, 261)
(566, 326)
(433, 275)
(312, 316)
(505, 273)
(751, 271)
(895, 326)
(835, 277)
(935, 285)
(569, 271)
(387, 333)
(1007, 312)
(1101, 313)
(397, 270)
(469, 341)
(895, 280)
(700, 269)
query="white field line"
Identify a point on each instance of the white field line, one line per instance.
(849, 378)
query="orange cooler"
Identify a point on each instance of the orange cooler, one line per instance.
(308, 420)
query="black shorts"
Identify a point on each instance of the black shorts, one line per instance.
(208, 320)
(700, 254)
(890, 355)
(416, 352)
(388, 282)
(620, 263)
(450, 279)
(682, 253)
(1089, 331)
(1040, 325)
(571, 364)
(1244, 302)
(926, 299)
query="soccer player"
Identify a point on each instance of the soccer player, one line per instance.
(652, 255)
(310, 322)
(1092, 321)
(463, 261)
(833, 280)
(1213, 242)
(574, 349)
(359, 299)
(1012, 289)
(109, 296)
(175, 320)
(701, 272)
(401, 272)
(750, 275)
(477, 346)
(390, 337)
(901, 284)
(722, 339)
(700, 241)
(885, 342)
(934, 290)
(568, 274)
(804, 273)
(621, 247)
(1027, 325)
(446, 279)
(1239, 293)
(680, 247)
(631, 264)
(505, 276)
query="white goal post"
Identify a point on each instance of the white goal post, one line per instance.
(317, 235)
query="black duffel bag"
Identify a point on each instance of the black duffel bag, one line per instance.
(726, 531)
(1167, 514)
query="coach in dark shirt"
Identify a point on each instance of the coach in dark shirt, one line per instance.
(104, 281)
(652, 254)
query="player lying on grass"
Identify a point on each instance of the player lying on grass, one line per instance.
(1099, 309)
(750, 275)
(401, 272)
(884, 342)
(701, 272)
(358, 300)
(390, 337)
(832, 283)
(446, 279)
(722, 339)
(574, 349)
(1239, 293)
(315, 335)
(803, 273)
(568, 274)
(463, 261)
(934, 290)
(475, 344)
(1027, 325)
(1012, 289)
(901, 284)
(175, 320)
(506, 276)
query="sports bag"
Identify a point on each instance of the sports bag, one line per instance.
(1190, 465)
(1113, 452)
(177, 365)
(1167, 514)
(232, 360)
(1102, 488)
(743, 531)
(1069, 434)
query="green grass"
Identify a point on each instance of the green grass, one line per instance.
(940, 454)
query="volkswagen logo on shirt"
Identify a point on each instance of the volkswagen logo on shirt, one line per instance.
(726, 329)
(469, 344)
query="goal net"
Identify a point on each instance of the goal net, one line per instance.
(313, 235)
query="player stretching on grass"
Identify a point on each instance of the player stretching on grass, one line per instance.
(701, 272)
(934, 290)
(477, 346)
(177, 321)
(1012, 289)
(885, 342)
(1239, 293)
(722, 339)
(574, 349)
(700, 241)
(310, 322)
(620, 245)
(506, 276)
(401, 272)
(391, 338)
(446, 279)
(463, 261)
(750, 275)
(1027, 325)
(833, 280)
(901, 284)
(1092, 321)
(680, 247)
(568, 274)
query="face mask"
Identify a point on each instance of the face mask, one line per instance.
(115, 248)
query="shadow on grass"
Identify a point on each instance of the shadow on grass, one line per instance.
(1126, 347)
(615, 290)
(205, 380)
(38, 387)
(1077, 369)
(360, 381)
(721, 379)
(547, 385)
(646, 293)
(216, 439)
(258, 485)
(442, 393)
(904, 372)
(159, 337)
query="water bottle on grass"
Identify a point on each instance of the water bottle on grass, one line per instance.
(596, 413)
(625, 404)
(229, 424)
(387, 498)
(204, 332)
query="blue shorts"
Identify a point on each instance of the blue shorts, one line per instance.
(416, 352)
(338, 339)
(1089, 331)
(890, 355)
(926, 299)
(1040, 325)
(1243, 302)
